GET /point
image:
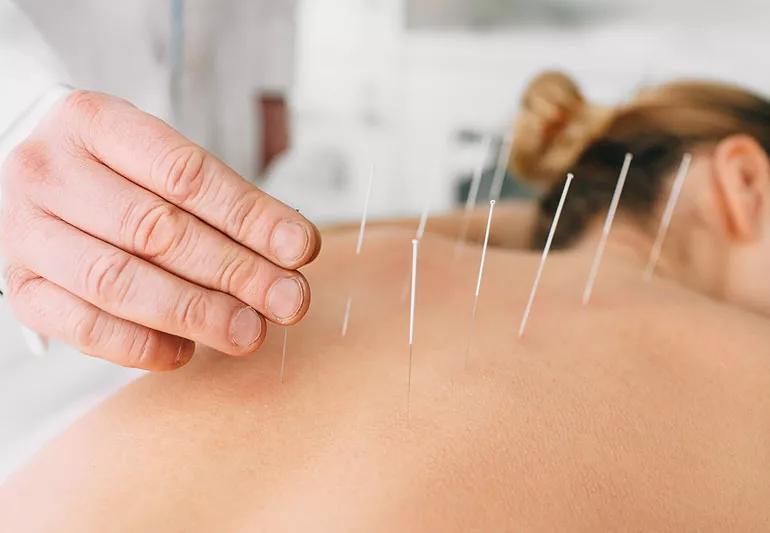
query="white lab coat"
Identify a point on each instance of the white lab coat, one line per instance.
(196, 64)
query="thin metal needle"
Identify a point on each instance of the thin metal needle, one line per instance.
(544, 257)
(668, 214)
(606, 230)
(362, 229)
(415, 245)
(423, 221)
(346, 317)
(283, 357)
(418, 235)
(473, 193)
(501, 169)
(478, 280)
(359, 246)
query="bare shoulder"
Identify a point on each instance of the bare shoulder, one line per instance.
(649, 410)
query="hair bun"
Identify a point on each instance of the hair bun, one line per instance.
(555, 124)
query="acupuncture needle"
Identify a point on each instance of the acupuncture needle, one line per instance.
(606, 230)
(473, 193)
(359, 246)
(501, 169)
(544, 257)
(423, 221)
(668, 213)
(283, 356)
(415, 245)
(418, 235)
(482, 262)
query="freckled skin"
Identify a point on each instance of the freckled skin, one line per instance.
(648, 410)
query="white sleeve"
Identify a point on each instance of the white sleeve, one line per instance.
(32, 82)
(32, 77)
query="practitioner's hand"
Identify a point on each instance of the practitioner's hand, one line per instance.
(126, 240)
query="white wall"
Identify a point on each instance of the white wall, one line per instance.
(368, 90)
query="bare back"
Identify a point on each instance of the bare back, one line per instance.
(647, 410)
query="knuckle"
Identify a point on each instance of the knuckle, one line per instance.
(29, 162)
(191, 311)
(181, 170)
(236, 272)
(110, 276)
(245, 214)
(18, 281)
(84, 105)
(83, 113)
(143, 349)
(86, 329)
(18, 220)
(154, 230)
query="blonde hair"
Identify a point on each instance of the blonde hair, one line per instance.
(558, 131)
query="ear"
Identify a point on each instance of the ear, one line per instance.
(742, 174)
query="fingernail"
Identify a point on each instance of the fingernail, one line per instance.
(184, 353)
(289, 242)
(285, 298)
(246, 327)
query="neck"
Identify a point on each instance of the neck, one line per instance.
(626, 244)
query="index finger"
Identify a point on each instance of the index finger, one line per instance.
(150, 153)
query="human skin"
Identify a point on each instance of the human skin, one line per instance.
(648, 410)
(127, 241)
(514, 220)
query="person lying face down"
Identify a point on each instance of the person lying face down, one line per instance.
(721, 240)
(648, 409)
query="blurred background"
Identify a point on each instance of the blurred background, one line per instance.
(413, 85)
(302, 97)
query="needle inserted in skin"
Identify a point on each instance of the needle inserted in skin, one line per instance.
(544, 257)
(415, 244)
(606, 230)
(359, 246)
(346, 316)
(473, 193)
(668, 214)
(501, 169)
(423, 221)
(418, 235)
(362, 229)
(283, 356)
(479, 278)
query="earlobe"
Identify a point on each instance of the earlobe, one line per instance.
(742, 175)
